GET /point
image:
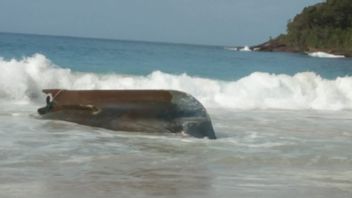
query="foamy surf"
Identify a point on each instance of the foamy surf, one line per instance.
(245, 49)
(241, 49)
(21, 81)
(324, 55)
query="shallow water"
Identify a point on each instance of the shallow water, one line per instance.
(258, 153)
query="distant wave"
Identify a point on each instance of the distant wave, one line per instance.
(245, 49)
(23, 80)
(324, 55)
(241, 49)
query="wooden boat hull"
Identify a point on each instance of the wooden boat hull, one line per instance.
(130, 110)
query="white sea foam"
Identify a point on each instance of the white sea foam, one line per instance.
(22, 81)
(245, 49)
(324, 55)
(241, 49)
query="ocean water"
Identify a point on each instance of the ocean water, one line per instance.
(283, 121)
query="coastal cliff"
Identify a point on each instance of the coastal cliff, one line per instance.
(325, 27)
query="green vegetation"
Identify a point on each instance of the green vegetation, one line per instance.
(323, 27)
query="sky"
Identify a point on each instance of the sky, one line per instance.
(208, 22)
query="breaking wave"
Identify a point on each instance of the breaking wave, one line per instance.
(23, 80)
(324, 55)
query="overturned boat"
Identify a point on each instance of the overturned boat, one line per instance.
(130, 110)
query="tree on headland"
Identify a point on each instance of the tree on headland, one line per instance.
(325, 27)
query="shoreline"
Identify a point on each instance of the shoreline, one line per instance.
(277, 46)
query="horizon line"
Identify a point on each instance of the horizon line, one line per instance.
(116, 39)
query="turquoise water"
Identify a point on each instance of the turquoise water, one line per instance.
(142, 58)
(283, 122)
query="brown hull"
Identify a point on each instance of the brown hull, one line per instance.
(130, 110)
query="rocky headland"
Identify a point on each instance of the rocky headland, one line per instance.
(324, 27)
